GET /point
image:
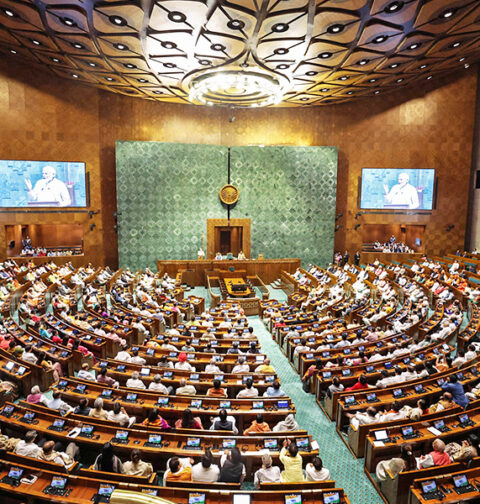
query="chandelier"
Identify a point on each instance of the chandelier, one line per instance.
(237, 88)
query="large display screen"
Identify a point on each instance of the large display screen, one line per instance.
(394, 188)
(42, 184)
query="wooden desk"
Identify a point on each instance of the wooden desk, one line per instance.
(231, 283)
(194, 272)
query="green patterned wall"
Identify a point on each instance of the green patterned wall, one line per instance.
(167, 191)
(165, 194)
(289, 193)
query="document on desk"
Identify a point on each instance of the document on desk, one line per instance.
(314, 445)
(74, 433)
(378, 443)
(434, 431)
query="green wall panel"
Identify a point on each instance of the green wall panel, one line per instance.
(289, 193)
(165, 193)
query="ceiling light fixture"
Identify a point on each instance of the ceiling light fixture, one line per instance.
(393, 7)
(325, 55)
(280, 27)
(235, 24)
(252, 87)
(423, 66)
(448, 13)
(8, 12)
(121, 47)
(363, 62)
(335, 28)
(67, 21)
(117, 20)
(379, 39)
(177, 17)
(393, 65)
(413, 46)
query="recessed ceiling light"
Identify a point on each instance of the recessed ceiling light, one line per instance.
(120, 47)
(75, 76)
(430, 77)
(280, 50)
(169, 65)
(280, 27)
(399, 80)
(423, 66)
(461, 59)
(324, 90)
(77, 45)
(129, 65)
(379, 39)
(158, 92)
(177, 17)
(117, 20)
(235, 24)
(325, 55)
(13, 51)
(335, 28)
(217, 47)
(55, 60)
(304, 99)
(283, 66)
(466, 66)
(204, 62)
(448, 13)
(363, 62)
(372, 80)
(67, 21)
(142, 80)
(413, 46)
(377, 92)
(310, 73)
(344, 78)
(110, 79)
(393, 7)
(36, 42)
(393, 65)
(349, 92)
(92, 64)
(9, 12)
(456, 44)
(169, 45)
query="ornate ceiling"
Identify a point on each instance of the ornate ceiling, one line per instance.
(327, 50)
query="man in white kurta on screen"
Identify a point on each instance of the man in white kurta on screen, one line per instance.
(402, 193)
(48, 189)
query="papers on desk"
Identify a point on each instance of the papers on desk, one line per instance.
(74, 432)
(378, 443)
(434, 431)
(314, 445)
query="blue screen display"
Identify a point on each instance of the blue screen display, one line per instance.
(394, 188)
(42, 184)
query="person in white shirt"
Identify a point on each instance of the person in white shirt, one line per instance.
(123, 355)
(158, 386)
(185, 389)
(469, 355)
(267, 473)
(56, 403)
(241, 367)
(85, 374)
(205, 470)
(248, 391)
(315, 471)
(135, 382)
(183, 364)
(27, 447)
(29, 356)
(166, 345)
(393, 414)
(212, 366)
(301, 347)
(363, 418)
(119, 415)
(136, 359)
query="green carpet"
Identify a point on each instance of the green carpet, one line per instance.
(344, 468)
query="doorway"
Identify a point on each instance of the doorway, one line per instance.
(228, 239)
(228, 236)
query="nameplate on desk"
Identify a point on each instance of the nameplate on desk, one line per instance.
(378, 443)
(434, 431)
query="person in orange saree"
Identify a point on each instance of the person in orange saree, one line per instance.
(258, 425)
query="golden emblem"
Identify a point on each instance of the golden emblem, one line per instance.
(229, 194)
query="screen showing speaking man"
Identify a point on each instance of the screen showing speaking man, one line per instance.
(42, 183)
(393, 188)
